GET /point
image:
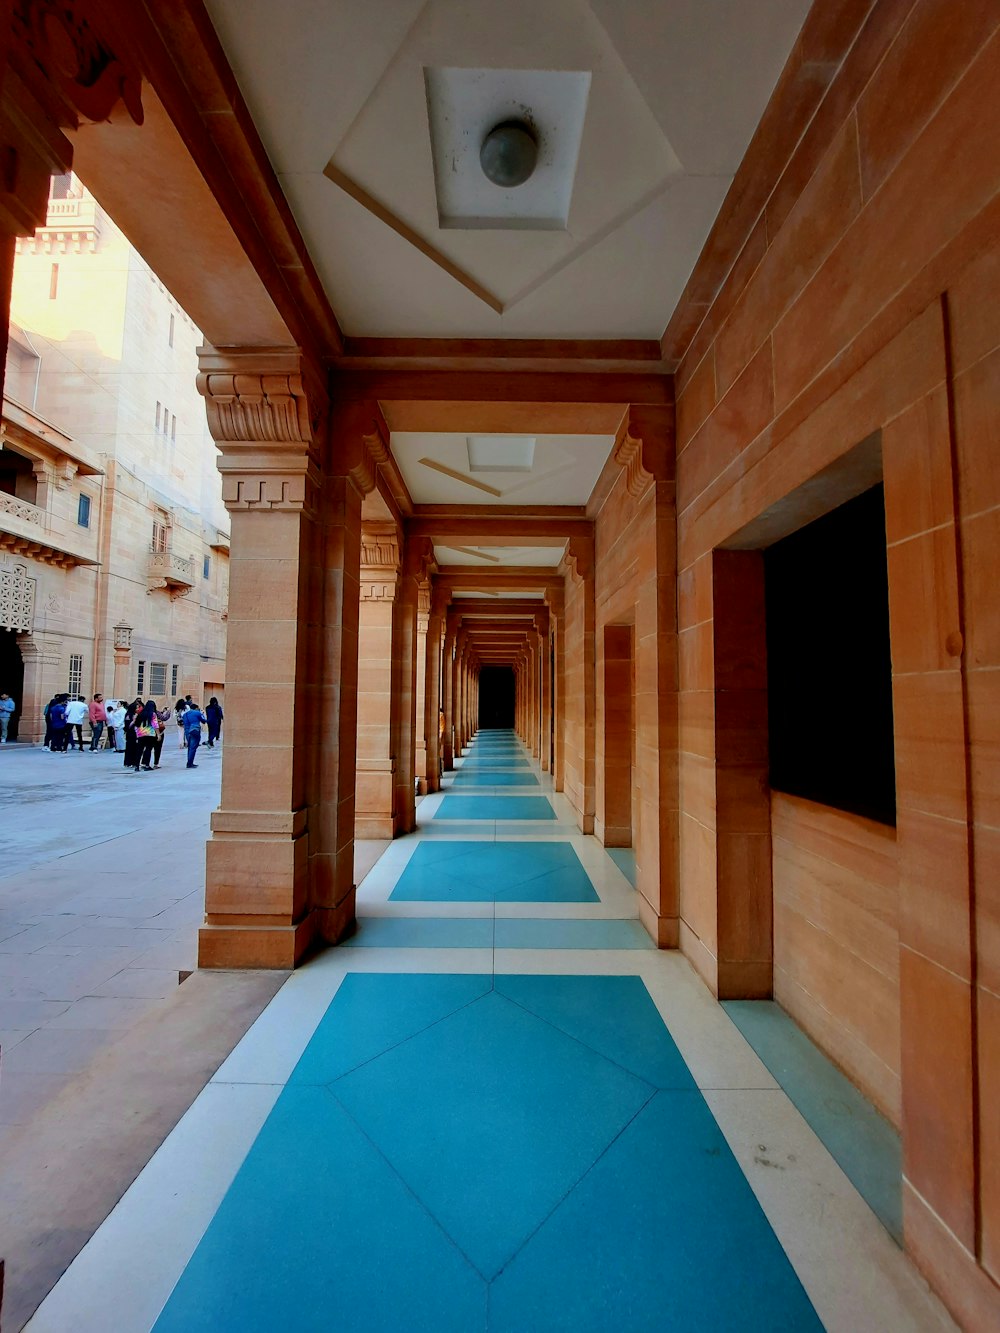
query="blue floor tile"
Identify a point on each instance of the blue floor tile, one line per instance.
(495, 807)
(493, 778)
(624, 859)
(516, 1135)
(612, 1015)
(663, 1233)
(506, 872)
(317, 1232)
(859, 1139)
(522, 933)
(372, 1013)
(421, 932)
(490, 1117)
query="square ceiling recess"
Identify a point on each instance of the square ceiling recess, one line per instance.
(463, 105)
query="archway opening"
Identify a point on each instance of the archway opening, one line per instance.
(496, 696)
(12, 677)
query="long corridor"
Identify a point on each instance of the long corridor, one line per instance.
(498, 1107)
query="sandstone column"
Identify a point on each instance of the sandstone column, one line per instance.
(542, 626)
(555, 598)
(432, 694)
(448, 688)
(375, 795)
(266, 411)
(423, 687)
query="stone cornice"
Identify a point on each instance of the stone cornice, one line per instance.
(644, 448)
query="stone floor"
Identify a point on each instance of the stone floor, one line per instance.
(102, 880)
(102, 875)
(497, 1107)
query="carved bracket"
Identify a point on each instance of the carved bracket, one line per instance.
(580, 556)
(644, 447)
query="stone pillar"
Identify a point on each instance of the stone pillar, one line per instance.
(358, 443)
(418, 555)
(266, 411)
(580, 553)
(459, 697)
(432, 695)
(448, 690)
(123, 673)
(555, 598)
(423, 686)
(376, 813)
(545, 666)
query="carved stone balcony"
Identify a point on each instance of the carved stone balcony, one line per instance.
(169, 571)
(26, 530)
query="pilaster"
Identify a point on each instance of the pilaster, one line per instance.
(266, 411)
(376, 814)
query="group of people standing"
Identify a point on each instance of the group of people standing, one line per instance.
(136, 730)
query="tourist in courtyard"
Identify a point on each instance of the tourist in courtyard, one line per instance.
(131, 743)
(193, 719)
(98, 721)
(215, 715)
(76, 715)
(7, 706)
(146, 727)
(115, 710)
(163, 716)
(47, 743)
(57, 723)
(180, 708)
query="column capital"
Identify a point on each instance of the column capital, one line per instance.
(418, 560)
(555, 600)
(265, 407)
(644, 447)
(380, 561)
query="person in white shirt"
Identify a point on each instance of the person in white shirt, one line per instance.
(116, 722)
(77, 713)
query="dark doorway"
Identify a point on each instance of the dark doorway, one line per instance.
(12, 676)
(496, 697)
(829, 668)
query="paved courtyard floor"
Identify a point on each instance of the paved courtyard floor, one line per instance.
(102, 881)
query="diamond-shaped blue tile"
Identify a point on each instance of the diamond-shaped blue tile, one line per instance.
(490, 1117)
(614, 1015)
(664, 1233)
(316, 1233)
(501, 871)
(372, 1012)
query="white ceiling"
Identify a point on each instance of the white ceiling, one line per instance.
(494, 557)
(564, 470)
(676, 90)
(481, 594)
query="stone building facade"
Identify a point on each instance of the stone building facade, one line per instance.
(111, 507)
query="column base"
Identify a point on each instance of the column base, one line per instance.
(664, 930)
(375, 826)
(256, 946)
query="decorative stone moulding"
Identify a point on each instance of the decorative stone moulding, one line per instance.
(72, 42)
(580, 556)
(642, 450)
(265, 410)
(17, 598)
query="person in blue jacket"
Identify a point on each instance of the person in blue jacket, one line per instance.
(60, 728)
(193, 719)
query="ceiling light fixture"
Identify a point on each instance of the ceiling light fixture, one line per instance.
(509, 154)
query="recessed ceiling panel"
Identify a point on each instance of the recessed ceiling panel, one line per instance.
(493, 557)
(558, 470)
(501, 453)
(463, 105)
(676, 89)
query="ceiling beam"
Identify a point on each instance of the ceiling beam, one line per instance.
(501, 386)
(506, 530)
